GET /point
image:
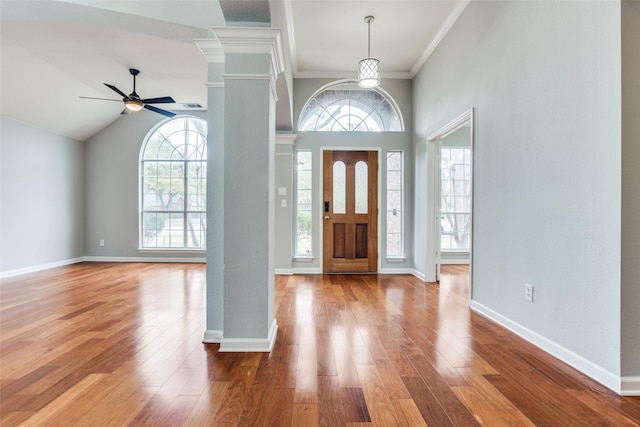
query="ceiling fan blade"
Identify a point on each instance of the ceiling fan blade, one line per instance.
(159, 111)
(118, 91)
(101, 99)
(163, 100)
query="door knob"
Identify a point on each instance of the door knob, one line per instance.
(326, 217)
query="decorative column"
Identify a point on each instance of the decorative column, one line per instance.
(213, 53)
(253, 60)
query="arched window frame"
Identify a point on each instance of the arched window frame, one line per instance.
(193, 159)
(306, 112)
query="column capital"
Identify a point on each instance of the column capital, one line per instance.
(252, 40)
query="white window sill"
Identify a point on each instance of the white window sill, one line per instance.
(172, 251)
(396, 259)
(303, 259)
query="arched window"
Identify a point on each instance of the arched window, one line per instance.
(346, 107)
(173, 190)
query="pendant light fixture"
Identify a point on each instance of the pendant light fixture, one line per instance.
(369, 68)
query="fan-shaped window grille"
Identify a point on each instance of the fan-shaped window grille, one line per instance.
(345, 107)
(173, 191)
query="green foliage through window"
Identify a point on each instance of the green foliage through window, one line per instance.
(174, 185)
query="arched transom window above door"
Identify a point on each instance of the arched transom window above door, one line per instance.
(346, 107)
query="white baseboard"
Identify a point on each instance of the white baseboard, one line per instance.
(396, 271)
(212, 336)
(143, 259)
(454, 261)
(574, 360)
(41, 267)
(630, 386)
(250, 345)
(307, 271)
(419, 275)
(284, 271)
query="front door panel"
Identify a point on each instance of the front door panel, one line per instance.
(350, 213)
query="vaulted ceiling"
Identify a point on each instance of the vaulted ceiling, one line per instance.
(54, 52)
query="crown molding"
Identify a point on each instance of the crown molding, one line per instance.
(444, 29)
(351, 75)
(211, 49)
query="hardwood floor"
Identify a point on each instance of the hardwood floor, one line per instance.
(120, 344)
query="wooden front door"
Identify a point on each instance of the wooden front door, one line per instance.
(350, 211)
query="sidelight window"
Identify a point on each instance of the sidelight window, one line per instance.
(394, 204)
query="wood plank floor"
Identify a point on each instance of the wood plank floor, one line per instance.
(120, 344)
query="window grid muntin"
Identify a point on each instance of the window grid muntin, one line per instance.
(164, 146)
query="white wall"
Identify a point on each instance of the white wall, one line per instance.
(112, 184)
(544, 79)
(41, 198)
(631, 190)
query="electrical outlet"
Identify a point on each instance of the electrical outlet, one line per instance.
(101, 242)
(528, 292)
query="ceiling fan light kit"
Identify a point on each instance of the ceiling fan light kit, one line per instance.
(133, 104)
(369, 68)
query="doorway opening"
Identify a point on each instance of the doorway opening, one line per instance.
(453, 199)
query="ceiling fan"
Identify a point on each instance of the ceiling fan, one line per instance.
(132, 102)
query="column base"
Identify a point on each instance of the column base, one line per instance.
(247, 345)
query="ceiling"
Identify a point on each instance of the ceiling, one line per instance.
(54, 52)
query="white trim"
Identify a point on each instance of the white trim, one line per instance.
(452, 126)
(171, 251)
(288, 13)
(144, 259)
(263, 345)
(283, 271)
(442, 31)
(215, 85)
(574, 360)
(286, 138)
(396, 75)
(630, 386)
(392, 259)
(396, 271)
(211, 49)
(212, 336)
(454, 261)
(246, 76)
(48, 266)
(40, 267)
(253, 40)
(307, 271)
(420, 275)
